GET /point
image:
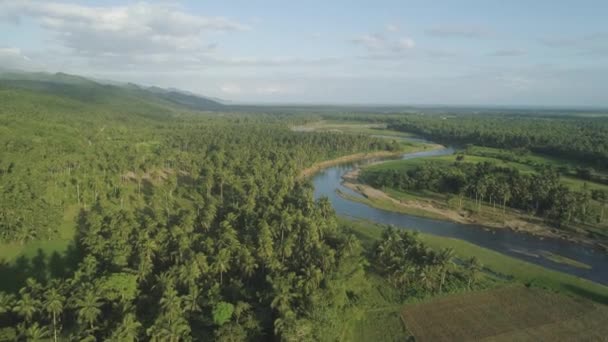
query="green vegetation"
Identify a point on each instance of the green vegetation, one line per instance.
(382, 305)
(563, 260)
(482, 187)
(131, 213)
(157, 222)
(577, 138)
(508, 314)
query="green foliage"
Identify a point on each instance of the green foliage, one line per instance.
(540, 193)
(121, 286)
(222, 313)
(583, 139)
(169, 213)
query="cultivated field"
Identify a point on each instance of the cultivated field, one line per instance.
(508, 314)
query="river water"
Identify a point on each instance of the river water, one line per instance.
(518, 245)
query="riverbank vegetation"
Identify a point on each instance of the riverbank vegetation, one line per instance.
(489, 191)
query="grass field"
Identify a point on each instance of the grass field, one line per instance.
(355, 127)
(508, 314)
(13, 250)
(381, 317)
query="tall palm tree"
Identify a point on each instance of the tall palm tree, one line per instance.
(89, 308)
(54, 306)
(222, 262)
(27, 307)
(473, 267)
(444, 260)
(171, 303)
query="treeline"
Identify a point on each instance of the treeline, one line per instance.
(415, 269)
(583, 139)
(58, 153)
(539, 193)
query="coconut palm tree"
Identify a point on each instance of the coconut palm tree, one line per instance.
(36, 333)
(222, 262)
(27, 307)
(89, 308)
(473, 267)
(6, 302)
(444, 260)
(128, 330)
(54, 305)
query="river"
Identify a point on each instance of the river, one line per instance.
(518, 245)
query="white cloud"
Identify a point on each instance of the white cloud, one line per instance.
(391, 28)
(271, 89)
(231, 89)
(406, 43)
(380, 43)
(371, 41)
(12, 57)
(140, 28)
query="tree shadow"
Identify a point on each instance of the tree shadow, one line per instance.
(42, 267)
(594, 296)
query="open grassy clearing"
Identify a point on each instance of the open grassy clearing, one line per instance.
(11, 251)
(355, 127)
(507, 314)
(528, 158)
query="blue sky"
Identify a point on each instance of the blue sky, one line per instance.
(381, 52)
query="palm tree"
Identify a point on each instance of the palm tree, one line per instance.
(27, 307)
(54, 306)
(171, 303)
(222, 262)
(169, 330)
(239, 309)
(425, 277)
(37, 333)
(191, 299)
(473, 267)
(6, 302)
(128, 330)
(88, 307)
(444, 259)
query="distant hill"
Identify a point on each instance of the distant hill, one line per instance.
(115, 94)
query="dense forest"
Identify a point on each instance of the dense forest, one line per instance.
(539, 193)
(579, 138)
(187, 225)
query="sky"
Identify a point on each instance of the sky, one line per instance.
(450, 52)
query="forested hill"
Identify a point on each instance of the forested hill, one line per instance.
(126, 96)
(158, 223)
